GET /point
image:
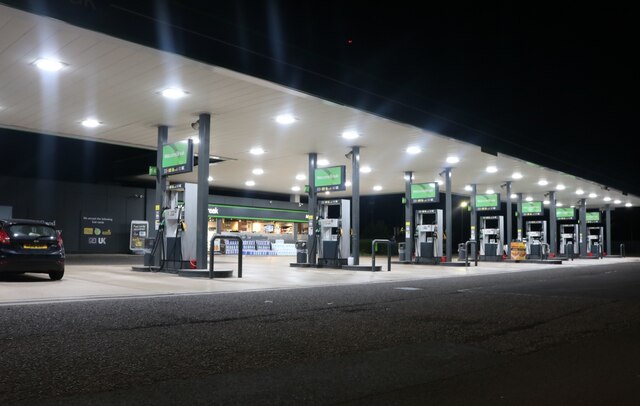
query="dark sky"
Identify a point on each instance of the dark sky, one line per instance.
(555, 84)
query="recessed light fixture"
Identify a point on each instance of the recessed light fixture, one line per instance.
(195, 140)
(327, 193)
(546, 202)
(607, 199)
(256, 151)
(323, 162)
(90, 123)
(492, 169)
(210, 178)
(250, 183)
(627, 204)
(350, 135)
(560, 186)
(452, 159)
(579, 192)
(516, 175)
(439, 182)
(529, 199)
(617, 201)
(347, 183)
(285, 119)
(48, 65)
(295, 188)
(490, 191)
(593, 195)
(258, 171)
(377, 188)
(558, 204)
(414, 150)
(365, 169)
(514, 196)
(543, 182)
(468, 188)
(301, 176)
(173, 93)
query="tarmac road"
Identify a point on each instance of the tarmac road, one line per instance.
(554, 336)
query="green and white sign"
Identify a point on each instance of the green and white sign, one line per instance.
(593, 217)
(532, 209)
(177, 157)
(488, 202)
(565, 213)
(425, 192)
(331, 178)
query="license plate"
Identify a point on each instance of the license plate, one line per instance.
(34, 247)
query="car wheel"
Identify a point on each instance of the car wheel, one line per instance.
(56, 275)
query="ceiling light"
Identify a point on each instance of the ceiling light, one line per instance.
(579, 192)
(257, 171)
(327, 193)
(48, 65)
(377, 188)
(627, 204)
(195, 140)
(572, 206)
(323, 162)
(453, 159)
(516, 175)
(468, 188)
(90, 123)
(546, 202)
(617, 201)
(250, 183)
(464, 203)
(514, 196)
(607, 199)
(414, 150)
(365, 169)
(490, 191)
(543, 182)
(173, 93)
(559, 204)
(301, 176)
(210, 178)
(350, 135)
(492, 169)
(593, 195)
(439, 182)
(347, 183)
(285, 119)
(296, 188)
(256, 151)
(529, 198)
(560, 187)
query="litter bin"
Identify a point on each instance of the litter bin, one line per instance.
(301, 252)
(401, 250)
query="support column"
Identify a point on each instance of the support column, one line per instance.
(161, 185)
(583, 227)
(519, 217)
(408, 217)
(509, 219)
(313, 203)
(607, 208)
(202, 206)
(355, 204)
(474, 216)
(449, 214)
(553, 225)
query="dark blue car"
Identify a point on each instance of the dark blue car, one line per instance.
(31, 246)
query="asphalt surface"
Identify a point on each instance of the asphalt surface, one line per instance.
(556, 336)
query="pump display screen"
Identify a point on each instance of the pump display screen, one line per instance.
(593, 217)
(488, 202)
(532, 209)
(425, 192)
(177, 157)
(331, 178)
(565, 213)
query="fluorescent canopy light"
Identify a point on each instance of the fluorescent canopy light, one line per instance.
(453, 159)
(285, 119)
(301, 176)
(256, 151)
(560, 187)
(323, 162)
(296, 188)
(347, 183)
(257, 171)
(543, 182)
(414, 150)
(627, 204)
(365, 169)
(173, 93)
(593, 195)
(516, 175)
(546, 202)
(250, 183)
(90, 123)
(350, 135)
(195, 140)
(607, 199)
(377, 188)
(514, 196)
(492, 169)
(579, 192)
(529, 199)
(559, 204)
(617, 201)
(49, 65)
(210, 178)
(468, 188)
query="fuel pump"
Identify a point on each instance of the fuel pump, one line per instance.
(174, 226)
(428, 235)
(595, 240)
(491, 238)
(569, 240)
(334, 228)
(535, 238)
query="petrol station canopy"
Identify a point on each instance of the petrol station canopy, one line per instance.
(120, 86)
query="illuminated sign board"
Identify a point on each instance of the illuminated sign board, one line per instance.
(425, 192)
(330, 179)
(532, 209)
(177, 157)
(488, 202)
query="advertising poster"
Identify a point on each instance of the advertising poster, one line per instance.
(138, 234)
(96, 233)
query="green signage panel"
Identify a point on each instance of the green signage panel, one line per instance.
(593, 217)
(488, 202)
(425, 192)
(331, 178)
(532, 209)
(565, 213)
(177, 157)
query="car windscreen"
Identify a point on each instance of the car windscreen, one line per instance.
(31, 231)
